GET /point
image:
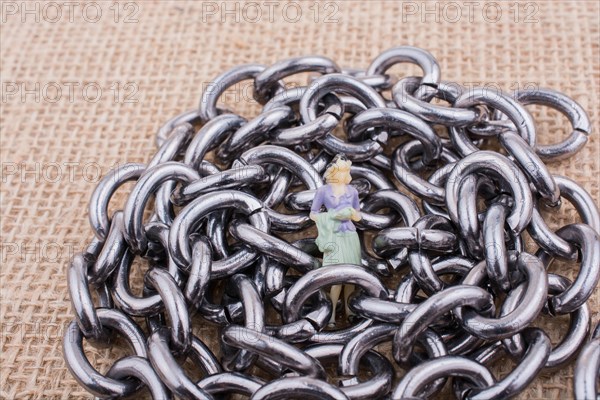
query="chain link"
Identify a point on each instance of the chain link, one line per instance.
(445, 277)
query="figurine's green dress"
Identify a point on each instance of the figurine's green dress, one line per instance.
(337, 238)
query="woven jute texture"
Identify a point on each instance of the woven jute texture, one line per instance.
(85, 85)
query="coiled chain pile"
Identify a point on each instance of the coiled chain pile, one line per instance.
(228, 242)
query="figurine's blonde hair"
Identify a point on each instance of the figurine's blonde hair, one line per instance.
(338, 171)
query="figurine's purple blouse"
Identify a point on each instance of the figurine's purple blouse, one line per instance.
(325, 197)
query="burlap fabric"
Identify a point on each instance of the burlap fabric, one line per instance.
(83, 91)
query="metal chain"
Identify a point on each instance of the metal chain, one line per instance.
(227, 193)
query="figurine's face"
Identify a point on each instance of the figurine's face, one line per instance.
(339, 173)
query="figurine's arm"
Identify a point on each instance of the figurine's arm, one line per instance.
(356, 206)
(316, 204)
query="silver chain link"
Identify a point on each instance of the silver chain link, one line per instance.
(448, 280)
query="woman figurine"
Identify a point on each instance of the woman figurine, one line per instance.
(337, 238)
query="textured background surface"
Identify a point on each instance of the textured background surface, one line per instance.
(150, 61)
